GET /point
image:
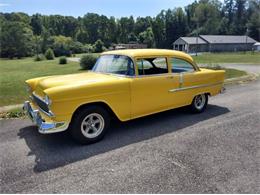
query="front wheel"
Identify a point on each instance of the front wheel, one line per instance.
(90, 124)
(199, 103)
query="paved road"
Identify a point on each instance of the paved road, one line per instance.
(172, 152)
(74, 59)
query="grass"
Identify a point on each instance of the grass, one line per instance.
(13, 73)
(238, 57)
(230, 72)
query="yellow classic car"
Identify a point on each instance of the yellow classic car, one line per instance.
(126, 84)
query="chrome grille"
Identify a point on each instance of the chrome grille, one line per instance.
(40, 103)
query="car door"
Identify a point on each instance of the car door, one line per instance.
(189, 79)
(150, 88)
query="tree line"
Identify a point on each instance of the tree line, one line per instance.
(24, 35)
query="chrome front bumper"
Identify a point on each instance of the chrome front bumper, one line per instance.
(43, 127)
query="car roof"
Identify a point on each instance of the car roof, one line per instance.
(149, 53)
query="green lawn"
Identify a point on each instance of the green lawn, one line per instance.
(230, 72)
(13, 73)
(238, 57)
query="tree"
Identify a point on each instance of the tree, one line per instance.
(70, 26)
(16, 40)
(142, 23)
(99, 46)
(229, 10)
(207, 17)
(125, 28)
(91, 24)
(66, 34)
(240, 19)
(82, 36)
(46, 40)
(147, 37)
(253, 23)
(62, 45)
(158, 26)
(37, 27)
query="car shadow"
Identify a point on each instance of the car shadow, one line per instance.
(56, 150)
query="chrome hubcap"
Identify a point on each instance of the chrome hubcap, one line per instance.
(200, 101)
(92, 125)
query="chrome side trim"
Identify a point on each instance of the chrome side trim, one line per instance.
(194, 87)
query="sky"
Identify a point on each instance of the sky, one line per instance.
(117, 8)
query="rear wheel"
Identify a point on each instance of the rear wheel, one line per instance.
(90, 124)
(199, 103)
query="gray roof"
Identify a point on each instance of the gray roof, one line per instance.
(190, 40)
(227, 39)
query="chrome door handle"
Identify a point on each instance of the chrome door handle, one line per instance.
(169, 77)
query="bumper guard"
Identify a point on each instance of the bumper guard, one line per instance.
(43, 127)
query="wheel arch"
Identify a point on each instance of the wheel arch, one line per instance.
(102, 104)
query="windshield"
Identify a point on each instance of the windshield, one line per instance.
(115, 64)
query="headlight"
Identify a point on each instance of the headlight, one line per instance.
(47, 100)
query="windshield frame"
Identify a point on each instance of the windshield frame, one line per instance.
(120, 75)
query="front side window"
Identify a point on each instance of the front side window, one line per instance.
(149, 66)
(115, 64)
(179, 65)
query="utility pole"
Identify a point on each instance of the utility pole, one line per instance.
(197, 37)
(247, 32)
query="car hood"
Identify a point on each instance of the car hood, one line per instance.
(73, 79)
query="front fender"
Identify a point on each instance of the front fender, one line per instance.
(67, 99)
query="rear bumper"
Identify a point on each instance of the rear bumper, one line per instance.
(43, 127)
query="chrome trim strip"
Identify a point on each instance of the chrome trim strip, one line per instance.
(194, 87)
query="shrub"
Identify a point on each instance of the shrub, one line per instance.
(99, 46)
(88, 61)
(88, 48)
(39, 57)
(49, 55)
(77, 47)
(63, 60)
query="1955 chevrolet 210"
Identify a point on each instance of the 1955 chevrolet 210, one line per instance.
(126, 84)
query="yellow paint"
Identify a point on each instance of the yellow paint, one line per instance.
(128, 97)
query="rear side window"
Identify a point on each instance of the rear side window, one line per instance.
(150, 66)
(179, 65)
